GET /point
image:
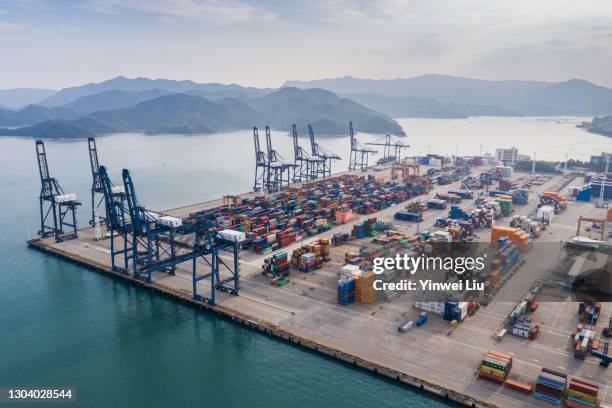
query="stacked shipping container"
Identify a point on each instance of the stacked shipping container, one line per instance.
(550, 386)
(495, 367)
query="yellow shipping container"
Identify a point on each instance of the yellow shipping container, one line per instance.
(492, 371)
(578, 394)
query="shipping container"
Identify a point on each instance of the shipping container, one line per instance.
(518, 386)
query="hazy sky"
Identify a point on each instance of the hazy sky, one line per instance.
(263, 43)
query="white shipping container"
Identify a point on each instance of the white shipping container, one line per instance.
(463, 306)
(117, 189)
(231, 235)
(349, 271)
(546, 213)
(64, 198)
(433, 307)
(521, 331)
(171, 222)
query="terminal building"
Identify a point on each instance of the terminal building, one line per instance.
(507, 156)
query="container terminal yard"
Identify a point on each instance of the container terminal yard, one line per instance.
(293, 259)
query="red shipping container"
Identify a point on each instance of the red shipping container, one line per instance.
(545, 390)
(491, 378)
(587, 389)
(585, 382)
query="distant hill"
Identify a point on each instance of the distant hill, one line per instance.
(409, 107)
(68, 95)
(20, 97)
(110, 100)
(575, 97)
(327, 112)
(185, 114)
(61, 129)
(517, 97)
(33, 114)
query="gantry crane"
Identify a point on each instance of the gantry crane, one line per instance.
(150, 242)
(305, 165)
(97, 188)
(601, 223)
(359, 154)
(118, 223)
(57, 208)
(324, 165)
(392, 149)
(261, 164)
(279, 171)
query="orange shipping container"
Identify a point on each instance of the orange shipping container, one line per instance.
(518, 386)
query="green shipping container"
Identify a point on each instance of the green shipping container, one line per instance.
(497, 364)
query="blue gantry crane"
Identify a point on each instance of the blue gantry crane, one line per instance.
(57, 208)
(150, 242)
(97, 188)
(279, 171)
(118, 223)
(359, 154)
(324, 164)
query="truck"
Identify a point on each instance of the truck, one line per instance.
(462, 193)
(436, 204)
(422, 319)
(404, 327)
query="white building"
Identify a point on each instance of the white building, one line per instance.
(507, 156)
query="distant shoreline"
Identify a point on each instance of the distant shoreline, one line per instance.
(598, 125)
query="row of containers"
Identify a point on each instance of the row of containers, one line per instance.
(592, 190)
(556, 387)
(450, 311)
(551, 386)
(436, 160)
(307, 258)
(275, 221)
(550, 203)
(529, 226)
(518, 196)
(585, 338)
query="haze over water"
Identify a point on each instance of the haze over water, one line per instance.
(125, 346)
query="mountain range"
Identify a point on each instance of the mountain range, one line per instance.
(430, 96)
(161, 105)
(161, 111)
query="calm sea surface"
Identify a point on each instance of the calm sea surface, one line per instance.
(63, 325)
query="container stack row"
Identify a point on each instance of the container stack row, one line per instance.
(550, 386)
(276, 221)
(582, 393)
(514, 235)
(277, 265)
(495, 367)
